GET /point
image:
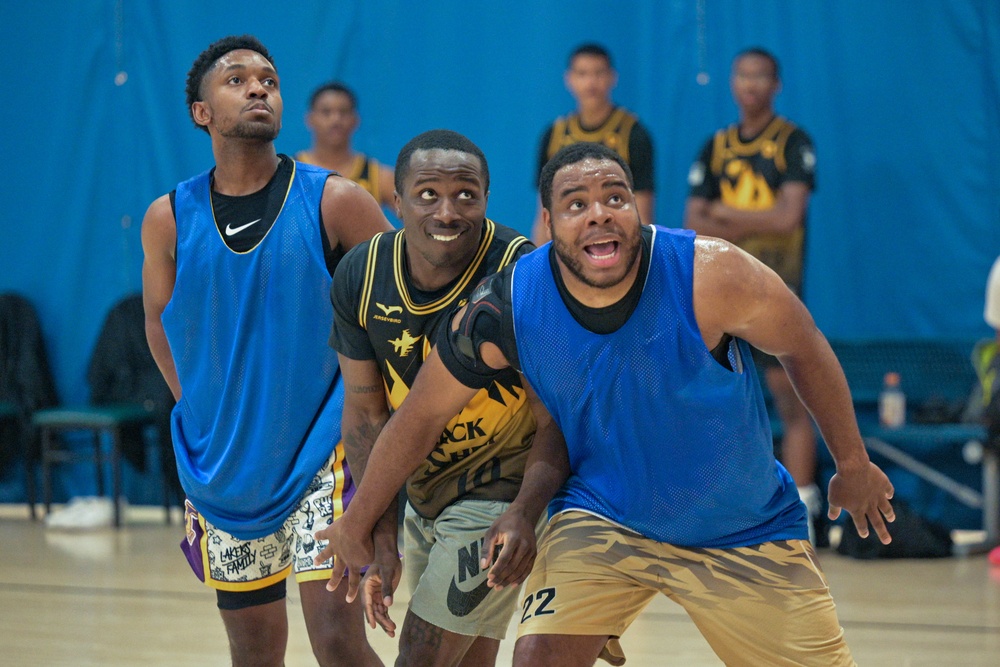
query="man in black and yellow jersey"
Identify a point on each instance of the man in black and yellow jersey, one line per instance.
(391, 298)
(751, 185)
(332, 119)
(590, 77)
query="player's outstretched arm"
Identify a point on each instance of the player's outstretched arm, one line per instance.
(365, 411)
(364, 416)
(736, 294)
(545, 471)
(408, 437)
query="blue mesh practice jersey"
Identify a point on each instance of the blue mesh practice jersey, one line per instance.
(261, 394)
(662, 438)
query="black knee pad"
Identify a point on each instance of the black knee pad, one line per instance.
(234, 600)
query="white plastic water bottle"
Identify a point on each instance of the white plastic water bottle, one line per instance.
(891, 402)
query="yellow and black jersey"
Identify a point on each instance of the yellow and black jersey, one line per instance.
(621, 132)
(380, 315)
(746, 174)
(364, 171)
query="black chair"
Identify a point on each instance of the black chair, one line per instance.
(26, 385)
(11, 439)
(128, 397)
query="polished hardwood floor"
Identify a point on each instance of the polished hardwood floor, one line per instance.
(126, 598)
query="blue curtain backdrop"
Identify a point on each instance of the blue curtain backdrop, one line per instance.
(901, 99)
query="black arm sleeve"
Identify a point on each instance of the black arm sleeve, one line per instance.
(700, 178)
(488, 318)
(347, 336)
(800, 156)
(640, 152)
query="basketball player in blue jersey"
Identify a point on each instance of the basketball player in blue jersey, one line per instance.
(636, 339)
(236, 281)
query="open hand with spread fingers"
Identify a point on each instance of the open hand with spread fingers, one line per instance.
(865, 494)
(352, 551)
(377, 590)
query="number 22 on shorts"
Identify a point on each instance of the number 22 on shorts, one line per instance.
(541, 601)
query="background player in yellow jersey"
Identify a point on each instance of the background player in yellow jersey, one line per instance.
(590, 77)
(750, 185)
(333, 119)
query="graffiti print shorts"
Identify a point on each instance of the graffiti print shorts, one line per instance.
(227, 563)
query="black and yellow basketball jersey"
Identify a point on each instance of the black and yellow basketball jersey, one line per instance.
(748, 175)
(482, 452)
(364, 171)
(613, 133)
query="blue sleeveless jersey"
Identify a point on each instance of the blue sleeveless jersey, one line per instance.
(662, 438)
(261, 393)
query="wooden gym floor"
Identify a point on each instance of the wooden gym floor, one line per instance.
(127, 598)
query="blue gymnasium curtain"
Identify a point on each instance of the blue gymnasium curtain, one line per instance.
(902, 103)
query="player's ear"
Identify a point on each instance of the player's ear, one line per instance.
(547, 221)
(201, 113)
(396, 201)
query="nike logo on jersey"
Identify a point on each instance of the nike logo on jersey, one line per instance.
(236, 230)
(389, 310)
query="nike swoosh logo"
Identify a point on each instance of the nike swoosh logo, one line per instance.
(236, 230)
(461, 603)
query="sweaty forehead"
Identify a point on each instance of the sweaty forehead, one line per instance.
(589, 170)
(241, 58)
(444, 163)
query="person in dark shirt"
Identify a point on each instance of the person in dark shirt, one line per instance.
(391, 297)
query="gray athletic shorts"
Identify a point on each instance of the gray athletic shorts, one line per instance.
(441, 566)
